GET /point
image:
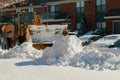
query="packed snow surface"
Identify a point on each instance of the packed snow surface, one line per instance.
(19, 69)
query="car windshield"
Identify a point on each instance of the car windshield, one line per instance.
(117, 43)
(110, 37)
(95, 38)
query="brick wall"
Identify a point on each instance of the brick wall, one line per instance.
(10, 13)
(70, 7)
(109, 23)
(90, 13)
(10, 1)
(40, 10)
(109, 26)
(111, 4)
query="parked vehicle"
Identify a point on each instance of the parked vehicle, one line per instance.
(87, 39)
(99, 32)
(19, 30)
(117, 43)
(109, 41)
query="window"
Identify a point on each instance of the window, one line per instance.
(116, 26)
(100, 13)
(80, 7)
(18, 10)
(54, 8)
(103, 2)
(101, 25)
(100, 5)
(30, 9)
(79, 15)
(100, 2)
(2, 13)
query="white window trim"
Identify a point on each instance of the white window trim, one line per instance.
(111, 17)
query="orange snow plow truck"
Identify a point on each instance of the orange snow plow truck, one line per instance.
(27, 26)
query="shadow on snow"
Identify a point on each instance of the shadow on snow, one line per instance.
(28, 63)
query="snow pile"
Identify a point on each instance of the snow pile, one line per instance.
(95, 60)
(64, 48)
(2, 52)
(67, 50)
(25, 50)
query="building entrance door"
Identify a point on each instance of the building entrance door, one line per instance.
(116, 27)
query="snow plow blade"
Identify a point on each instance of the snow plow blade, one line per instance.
(42, 36)
(42, 45)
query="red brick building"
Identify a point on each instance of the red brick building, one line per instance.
(103, 14)
(113, 16)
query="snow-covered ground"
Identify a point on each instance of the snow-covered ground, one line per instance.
(67, 59)
(17, 69)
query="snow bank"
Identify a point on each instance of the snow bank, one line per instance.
(2, 52)
(25, 50)
(64, 48)
(96, 60)
(67, 50)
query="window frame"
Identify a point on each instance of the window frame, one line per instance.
(100, 9)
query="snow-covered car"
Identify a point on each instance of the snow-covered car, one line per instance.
(99, 32)
(95, 37)
(107, 41)
(87, 39)
(117, 43)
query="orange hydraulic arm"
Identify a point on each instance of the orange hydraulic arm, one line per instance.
(36, 20)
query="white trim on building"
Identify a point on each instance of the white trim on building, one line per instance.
(111, 17)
